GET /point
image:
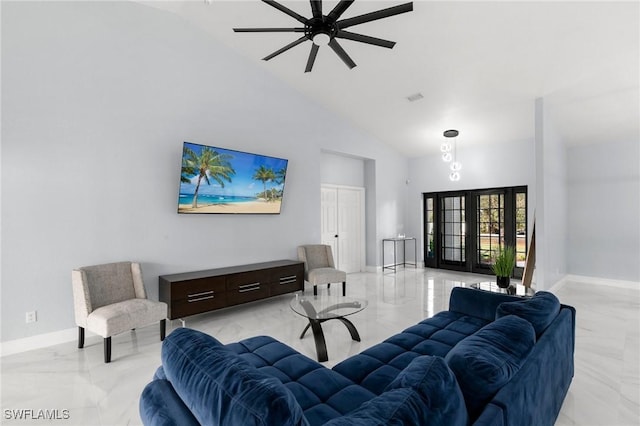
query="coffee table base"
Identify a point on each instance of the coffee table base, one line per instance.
(316, 328)
(318, 335)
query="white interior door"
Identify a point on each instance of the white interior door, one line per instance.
(343, 225)
(329, 217)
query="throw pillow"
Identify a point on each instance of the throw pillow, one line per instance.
(540, 310)
(485, 361)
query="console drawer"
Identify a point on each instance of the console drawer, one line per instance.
(247, 293)
(287, 279)
(194, 289)
(181, 308)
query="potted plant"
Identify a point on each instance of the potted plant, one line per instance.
(503, 265)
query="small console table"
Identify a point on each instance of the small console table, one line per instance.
(191, 293)
(404, 262)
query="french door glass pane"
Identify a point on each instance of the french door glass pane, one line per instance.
(431, 253)
(521, 229)
(490, 231)
(453, 229)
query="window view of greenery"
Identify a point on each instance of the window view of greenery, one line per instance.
(490, 227)
(521, 229)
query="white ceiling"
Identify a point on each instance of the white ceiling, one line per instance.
(479, 65)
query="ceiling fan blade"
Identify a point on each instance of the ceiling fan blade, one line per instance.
(341, 53)
(268, 30)
(286, 10)
(287, 47)
(339, 9)
(366, 39)
(373, 16)
(316, 8)
(312, 57)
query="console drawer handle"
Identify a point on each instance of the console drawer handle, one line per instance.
(198, 299)
(200, 294)
(288, 280)
(249, 285)
(244, 289)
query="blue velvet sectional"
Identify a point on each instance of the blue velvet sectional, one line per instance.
(491, 359)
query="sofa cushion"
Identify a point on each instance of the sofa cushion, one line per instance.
(540, 310)
(426, 392)
(485, 362)
(323, 394)
(220, 388)
(377, 366)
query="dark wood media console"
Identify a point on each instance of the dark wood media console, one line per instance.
(191, 293)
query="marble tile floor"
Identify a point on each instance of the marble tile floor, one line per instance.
(85, 391)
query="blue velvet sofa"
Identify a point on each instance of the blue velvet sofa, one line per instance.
(491, 359)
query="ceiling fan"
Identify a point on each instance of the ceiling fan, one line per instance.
(326, 29)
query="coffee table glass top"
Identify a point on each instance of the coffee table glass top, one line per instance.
(324, 306)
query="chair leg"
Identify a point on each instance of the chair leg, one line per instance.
(315, 290)
(163, 329)
(80, 337)
(344, 288)
(107, 349)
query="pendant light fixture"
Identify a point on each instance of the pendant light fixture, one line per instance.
(447, 148)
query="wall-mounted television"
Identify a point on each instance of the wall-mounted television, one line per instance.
(219, 180)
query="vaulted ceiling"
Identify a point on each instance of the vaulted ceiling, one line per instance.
(479, 66)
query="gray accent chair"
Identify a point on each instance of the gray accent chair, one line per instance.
(110, 299)
(319, 267)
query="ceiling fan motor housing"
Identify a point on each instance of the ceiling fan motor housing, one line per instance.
(318, 27)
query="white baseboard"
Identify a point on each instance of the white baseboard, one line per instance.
(632, 285)
(25, 344)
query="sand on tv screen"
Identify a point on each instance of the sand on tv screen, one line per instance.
(219, 180)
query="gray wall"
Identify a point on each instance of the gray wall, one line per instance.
(551, 210)
(604, 210)
(97, 99)
(338, 169)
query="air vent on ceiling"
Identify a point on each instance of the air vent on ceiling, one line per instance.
(415, 97)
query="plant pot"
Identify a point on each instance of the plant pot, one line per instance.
(503, 282)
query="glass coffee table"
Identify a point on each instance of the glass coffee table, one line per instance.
(318, 309)
(513, 289)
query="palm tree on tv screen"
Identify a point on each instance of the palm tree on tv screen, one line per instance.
(264, 175)
(280, 176)
(210, 164)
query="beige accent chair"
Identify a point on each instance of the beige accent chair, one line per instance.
(319, 267)
(110, 299)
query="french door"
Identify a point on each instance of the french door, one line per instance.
(464, 230)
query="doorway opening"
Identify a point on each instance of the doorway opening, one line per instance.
(464, 230)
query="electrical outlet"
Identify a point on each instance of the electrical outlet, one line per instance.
(32, 316)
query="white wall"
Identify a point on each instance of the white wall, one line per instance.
(551, 210)
(341, 170)
(604, 210)
(97, 99)
(489, 166)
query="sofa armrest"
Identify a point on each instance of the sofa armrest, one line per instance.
(477, 303)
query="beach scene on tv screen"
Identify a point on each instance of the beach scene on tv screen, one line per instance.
(218, 180)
